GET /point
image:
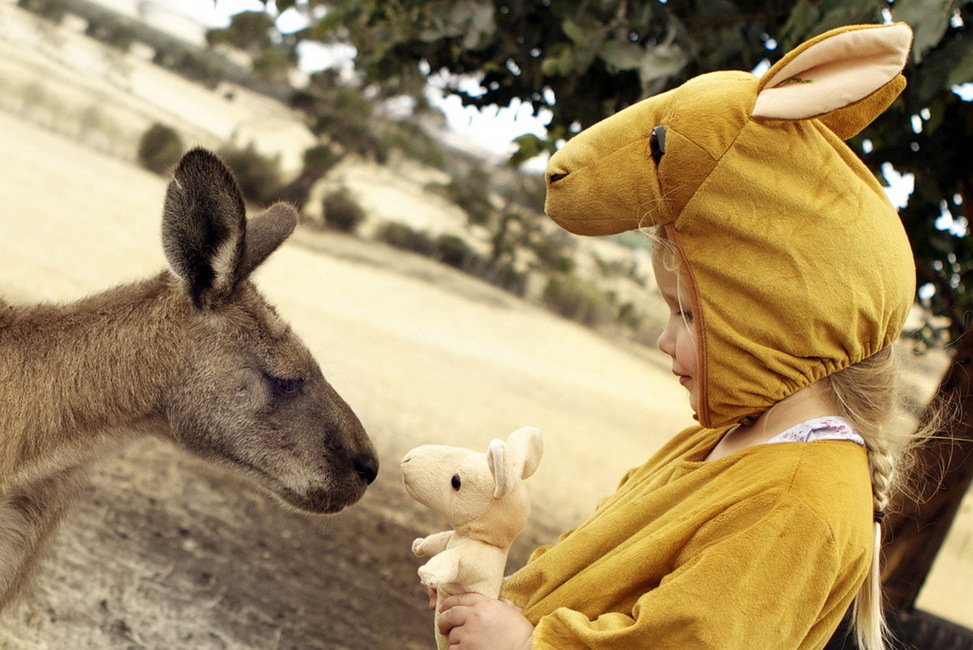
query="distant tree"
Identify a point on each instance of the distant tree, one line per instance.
(249, 31)
(318, 161)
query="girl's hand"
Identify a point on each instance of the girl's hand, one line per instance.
(433, 597)
(475, 622)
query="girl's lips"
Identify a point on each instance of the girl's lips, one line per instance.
(683, 379)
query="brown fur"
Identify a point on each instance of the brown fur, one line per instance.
(195, 355)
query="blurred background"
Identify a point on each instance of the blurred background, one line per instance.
(439, 301)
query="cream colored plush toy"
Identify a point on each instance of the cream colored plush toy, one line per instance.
(484, 499)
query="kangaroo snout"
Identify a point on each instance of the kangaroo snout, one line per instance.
(367, 467)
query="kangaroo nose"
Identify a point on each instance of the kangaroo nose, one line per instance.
(367, 467)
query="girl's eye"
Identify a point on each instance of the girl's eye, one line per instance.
(687, 315)
(285, 387)
(456, 481)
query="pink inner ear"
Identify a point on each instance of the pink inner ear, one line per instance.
(833, 73)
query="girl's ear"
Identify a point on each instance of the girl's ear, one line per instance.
(845, 77)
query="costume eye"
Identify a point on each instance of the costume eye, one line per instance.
(285, 387)
(456, 481)
(657, 143)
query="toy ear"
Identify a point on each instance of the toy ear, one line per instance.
(846, 77)
(500, 467)
(515, 459)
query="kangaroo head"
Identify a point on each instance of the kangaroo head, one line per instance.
(248, 393)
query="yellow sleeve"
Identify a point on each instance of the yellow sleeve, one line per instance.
(758, 573)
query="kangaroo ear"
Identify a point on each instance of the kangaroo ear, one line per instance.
(846, 77)
(265, 233)
(203, 227)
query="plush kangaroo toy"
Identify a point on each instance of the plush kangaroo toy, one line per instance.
(484, 499)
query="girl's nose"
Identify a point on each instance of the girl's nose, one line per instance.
(665, 340)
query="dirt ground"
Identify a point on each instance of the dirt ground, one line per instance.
(166, 551)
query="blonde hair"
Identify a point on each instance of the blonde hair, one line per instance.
(866, 393)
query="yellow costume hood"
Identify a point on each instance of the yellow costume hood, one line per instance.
(797, 263)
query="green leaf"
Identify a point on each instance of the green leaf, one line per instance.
(716, 9)
(621, 55)
(573, 31)
(480, 27)
(528, 146)
(662, 61)
(802, 20)
(929, 20)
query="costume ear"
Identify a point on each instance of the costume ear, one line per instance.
(846, 77)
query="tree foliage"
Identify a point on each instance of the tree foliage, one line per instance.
(578, 61)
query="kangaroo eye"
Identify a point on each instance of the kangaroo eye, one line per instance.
(285, 387)
(456, 481)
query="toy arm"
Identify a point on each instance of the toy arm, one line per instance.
(431, 545)
(440, 570)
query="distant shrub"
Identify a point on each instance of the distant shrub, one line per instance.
(342, 211)
(403, 236)
(258, 175)
(205, 67)
(111, 31)
(578, 299)
(413, 141)
(471, 194)
(160, 147)
(553, 251)
(454, 251)
(52, 10)
(507, 278)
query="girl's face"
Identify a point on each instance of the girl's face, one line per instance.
(678, 339)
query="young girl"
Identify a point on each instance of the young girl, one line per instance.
(788, 276)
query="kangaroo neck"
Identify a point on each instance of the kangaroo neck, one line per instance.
(74, 375)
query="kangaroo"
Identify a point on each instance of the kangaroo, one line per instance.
(194, 355)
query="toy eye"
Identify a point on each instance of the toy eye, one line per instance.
(657, 143)
(456, 481)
